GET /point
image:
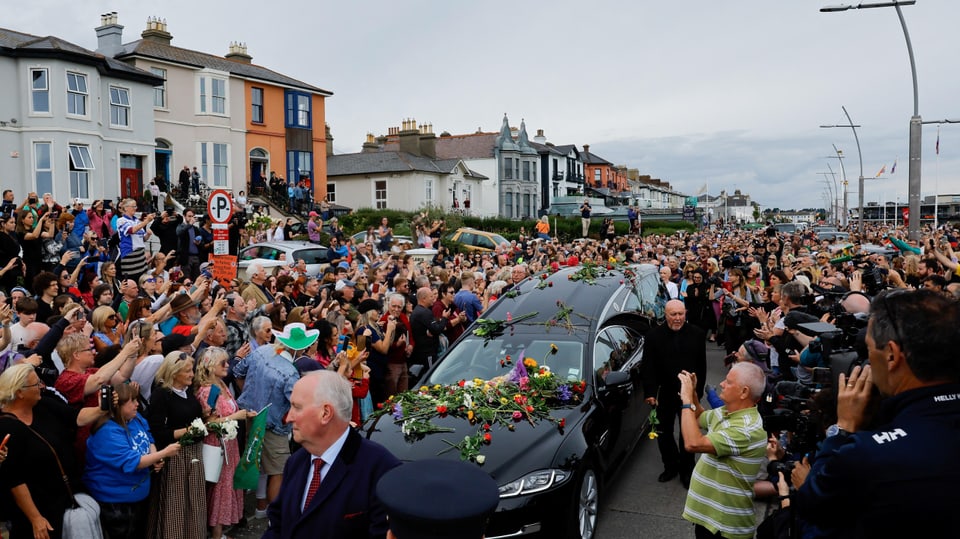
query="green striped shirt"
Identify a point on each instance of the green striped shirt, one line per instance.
(720, 497)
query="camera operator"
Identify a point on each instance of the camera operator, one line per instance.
(889, 481)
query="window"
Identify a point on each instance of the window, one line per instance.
(219, 100)
(299, 164)
(428, 190)
(43, 167)
(508, 199)
(331, 193)
(160, 92)
(516, 168)
(380, 194)
(616, 350)
(256, 105)
(39, 90)
(203, 94)
(298, 107)
(220, 165)
(119, 107)
(526, 170)
(76, 94)
(507, 168)
(203, 161)
(81, 163)
(596, 175)
(526, 205)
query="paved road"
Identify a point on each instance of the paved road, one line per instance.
(635, 505)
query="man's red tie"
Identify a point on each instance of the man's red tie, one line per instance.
(314, 482)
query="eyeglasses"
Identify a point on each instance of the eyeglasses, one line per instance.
(38, 384)
(183, 356)
(150, 280)
(113, 317)
(891, 309)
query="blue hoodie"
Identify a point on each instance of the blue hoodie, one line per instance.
(113, 454)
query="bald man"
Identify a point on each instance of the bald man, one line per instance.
(426, 328)
(671, 348)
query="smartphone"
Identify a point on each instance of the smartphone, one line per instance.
(3, 444)
(342, 345)
(360, 266)
(106, 397)
(213, 396)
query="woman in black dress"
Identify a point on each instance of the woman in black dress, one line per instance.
(698, 302)
(31, 232)
(11, 268)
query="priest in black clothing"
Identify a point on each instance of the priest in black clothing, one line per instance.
(670, 348)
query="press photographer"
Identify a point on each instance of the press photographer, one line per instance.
(888, 481)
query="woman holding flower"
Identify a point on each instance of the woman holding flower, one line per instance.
(178, 505)
(224, 503)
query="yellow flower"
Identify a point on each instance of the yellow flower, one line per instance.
(470, 415)
(530, 363)
(503, 400)
(653, 435)
(553, 348)
(424, 389)
(477, 382)
(436, 387)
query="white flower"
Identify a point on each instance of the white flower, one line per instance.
(197, 426)
(481, 459)
(468, 401)
(229, 430)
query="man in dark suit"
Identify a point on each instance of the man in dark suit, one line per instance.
(328, 488)
(671, 348)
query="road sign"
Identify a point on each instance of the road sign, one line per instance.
(221, 239)
(219, 207)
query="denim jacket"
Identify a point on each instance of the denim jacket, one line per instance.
(269, 379)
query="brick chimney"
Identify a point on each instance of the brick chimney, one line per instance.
(157, 31)
(238, 53)
(109, 35)
(586, 148)
(329, 138)
(540, 138)
(428, 141)
(409, 137)
(370, 146)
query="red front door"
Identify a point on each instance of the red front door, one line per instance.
(131, 183)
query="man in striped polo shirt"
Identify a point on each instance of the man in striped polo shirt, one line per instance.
(720, 499)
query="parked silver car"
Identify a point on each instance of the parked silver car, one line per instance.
(272, 254)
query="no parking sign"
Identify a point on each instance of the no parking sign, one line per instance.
(219, 211)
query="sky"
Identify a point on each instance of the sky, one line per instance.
(730, 95)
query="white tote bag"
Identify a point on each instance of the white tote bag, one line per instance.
(212, 462)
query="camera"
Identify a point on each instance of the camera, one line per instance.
(106, 397)
(32, 200)
(777, 466)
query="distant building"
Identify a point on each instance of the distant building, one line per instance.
(232, 119)
(73, 123)
(408, 176)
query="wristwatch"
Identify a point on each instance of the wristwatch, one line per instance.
(691, 406)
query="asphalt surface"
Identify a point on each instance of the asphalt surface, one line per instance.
(634, 505)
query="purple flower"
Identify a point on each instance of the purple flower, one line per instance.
(564, 393)
(397, 411)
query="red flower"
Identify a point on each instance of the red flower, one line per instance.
(621, 281)
(487, 438)
(461, 383)
(563, 422)
(550, 283)
(486, 426)
(543, 277)
(442, 409)
(380, 406)
(530, 408)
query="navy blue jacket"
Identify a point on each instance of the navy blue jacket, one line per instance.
(896, 481)
(345, 507)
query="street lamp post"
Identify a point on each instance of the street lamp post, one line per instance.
(856, 138)
(916, 124)
(843, 181)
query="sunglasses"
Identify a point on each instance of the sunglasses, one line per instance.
(150, 280)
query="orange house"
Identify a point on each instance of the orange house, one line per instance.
(600, 173)
(286, 133)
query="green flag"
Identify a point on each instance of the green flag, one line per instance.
(248, 469)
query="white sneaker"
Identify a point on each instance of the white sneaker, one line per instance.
(260, 514)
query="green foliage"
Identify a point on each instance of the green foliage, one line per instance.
(566, 228)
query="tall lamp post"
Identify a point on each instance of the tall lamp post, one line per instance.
(851, 125)
(843, 181)
(916, 131)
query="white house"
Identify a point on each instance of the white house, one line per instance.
(72, 123)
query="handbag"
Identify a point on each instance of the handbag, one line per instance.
(213, 456)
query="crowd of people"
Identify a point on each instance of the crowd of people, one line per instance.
(112, 355)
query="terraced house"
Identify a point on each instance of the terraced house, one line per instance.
(72, 123)
(234, 120)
